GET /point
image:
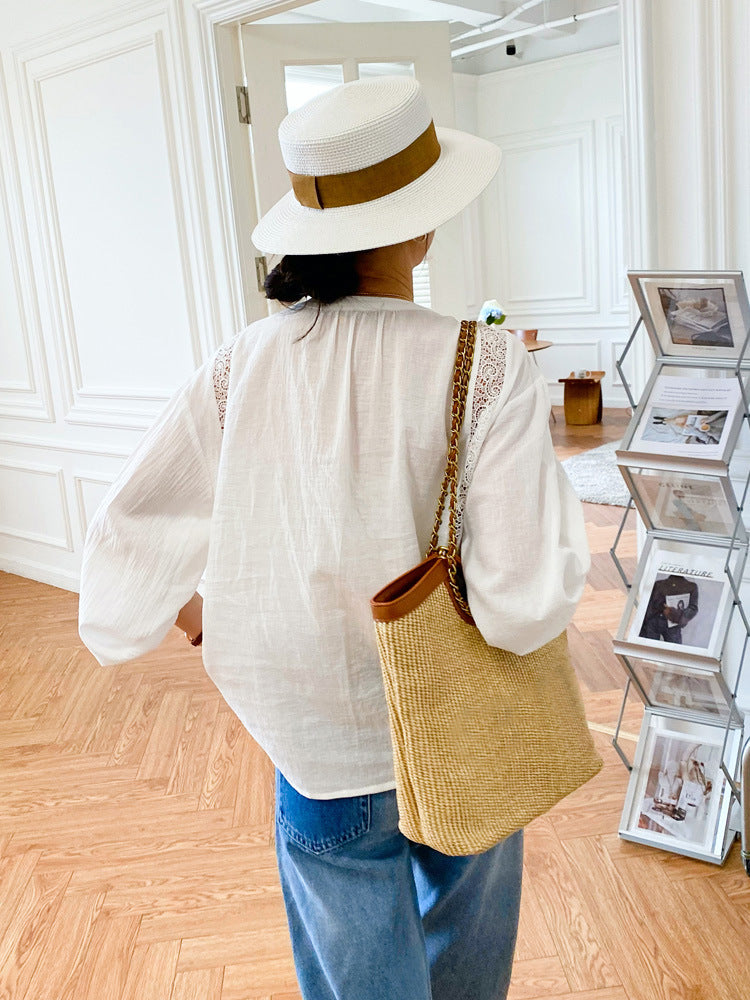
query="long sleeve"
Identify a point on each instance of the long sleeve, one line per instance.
(147, 545)
(691, 610)
(524, 550)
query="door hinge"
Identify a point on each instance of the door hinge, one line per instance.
(261, 272)
(243, 105)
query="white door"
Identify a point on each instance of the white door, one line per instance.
(285, 66)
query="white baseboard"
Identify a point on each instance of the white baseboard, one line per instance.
(42, 574)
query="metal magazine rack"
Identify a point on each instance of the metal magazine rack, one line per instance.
(684, 634)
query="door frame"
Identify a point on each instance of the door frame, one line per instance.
(227, 150)
(217, 23)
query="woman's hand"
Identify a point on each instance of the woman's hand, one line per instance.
(190, 618)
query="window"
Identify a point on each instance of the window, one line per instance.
(305, 82)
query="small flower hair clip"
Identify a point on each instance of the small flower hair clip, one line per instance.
(492, 313)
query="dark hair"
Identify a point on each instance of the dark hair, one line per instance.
(324, 278)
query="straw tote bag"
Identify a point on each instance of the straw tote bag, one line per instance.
(483, 740)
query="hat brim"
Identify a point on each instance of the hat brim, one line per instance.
(464, 169)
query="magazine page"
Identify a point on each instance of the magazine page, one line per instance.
(676, 501)
(688, 417)
(688, 692)
(698, 314)
(680, 688)
(677, 793)
(683, 600)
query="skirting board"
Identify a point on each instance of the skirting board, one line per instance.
(42, 574)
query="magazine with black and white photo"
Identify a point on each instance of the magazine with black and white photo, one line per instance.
(678, 797)
(681, 600)
(688, 417)
(677, 501)
(693, 314)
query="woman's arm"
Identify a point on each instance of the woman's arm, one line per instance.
(147, 546)
(524, 548)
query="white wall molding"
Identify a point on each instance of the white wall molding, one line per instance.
(218, 66)
(38, 69)
(583, 296)
(27, 386)
(29, 399)
(216, 12)
(640, 200)
(53, 445)
(711, 125)
(617, 285)
(592, 350)
(640, 167)
(31, 469)
(588, 324)
(79, 483)
(43, 572)
(87, 28)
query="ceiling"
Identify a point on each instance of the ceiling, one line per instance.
(481, 30)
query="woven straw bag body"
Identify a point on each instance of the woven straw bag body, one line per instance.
(483, 740)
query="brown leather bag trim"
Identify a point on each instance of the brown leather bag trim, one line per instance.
(408, 591)
(358, 186)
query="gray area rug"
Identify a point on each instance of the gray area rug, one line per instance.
(596, 477)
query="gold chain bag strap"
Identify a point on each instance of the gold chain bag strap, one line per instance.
(483, 740)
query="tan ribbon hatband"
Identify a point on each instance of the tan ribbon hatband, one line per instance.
(369, 183)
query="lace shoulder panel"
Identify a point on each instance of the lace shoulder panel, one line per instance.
(490, 374)
(489, 379)
(222, 364)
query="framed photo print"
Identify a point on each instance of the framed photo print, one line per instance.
(678, 689)
(668, 500)
(686, 417)
(680, 602)
(678, 797)
(699, 314)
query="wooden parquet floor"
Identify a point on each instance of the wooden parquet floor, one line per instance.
(136, 855)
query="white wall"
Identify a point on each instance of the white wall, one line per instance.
(115, 276)
(553, 219)
(688, 202)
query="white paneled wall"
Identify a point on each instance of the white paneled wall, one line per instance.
(105, 166)
(554, 242)
(105, 258)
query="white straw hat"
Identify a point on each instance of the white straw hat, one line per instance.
(369, 169)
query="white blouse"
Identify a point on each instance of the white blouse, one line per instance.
(320, 489)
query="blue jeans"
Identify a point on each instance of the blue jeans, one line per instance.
(374, 916)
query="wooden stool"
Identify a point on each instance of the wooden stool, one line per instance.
(583, 398)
